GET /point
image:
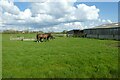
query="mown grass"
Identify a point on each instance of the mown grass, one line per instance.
(59, 58)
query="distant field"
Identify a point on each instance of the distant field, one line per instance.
(59, 58)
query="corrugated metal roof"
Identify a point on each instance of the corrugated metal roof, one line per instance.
(113, 25)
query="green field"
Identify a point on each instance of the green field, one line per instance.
(59, 58)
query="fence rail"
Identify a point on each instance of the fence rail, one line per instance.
(22, 38)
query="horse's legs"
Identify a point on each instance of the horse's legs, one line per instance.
(45, 39)
(41, 39)
(48, 38)
(37, 40)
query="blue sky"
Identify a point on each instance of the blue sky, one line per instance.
(108, 10)
(22, 5)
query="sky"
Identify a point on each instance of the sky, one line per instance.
(57, 16)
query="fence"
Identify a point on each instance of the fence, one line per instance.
(22, 38)
(59, 35)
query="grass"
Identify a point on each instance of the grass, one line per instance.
(59, 58)
(0, 56)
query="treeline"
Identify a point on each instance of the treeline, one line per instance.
(26, 32)
(17, 32)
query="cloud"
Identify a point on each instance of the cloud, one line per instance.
(64, 12)
(44, 0)
(109, 21)
(104, 21)
(63, 26)
(86, 12)
(49, 15)
(54, 9)
(24, 15)
(9, 7)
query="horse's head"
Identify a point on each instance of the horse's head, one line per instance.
(50, 36)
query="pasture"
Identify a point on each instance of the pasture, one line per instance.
(59, 58)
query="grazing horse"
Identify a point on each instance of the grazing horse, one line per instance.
(45, 36)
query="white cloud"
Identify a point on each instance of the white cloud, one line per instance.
(64, 26)
(44, 0)
(55, 9)
(50, 15)
(103, 20)
(63, 12)
(26, 14)
(106, 21)
(9, 7)
(86, 12)
(66, 11)
(109, 21)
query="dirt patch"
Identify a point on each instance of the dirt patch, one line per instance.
(115, 44)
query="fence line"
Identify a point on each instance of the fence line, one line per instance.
(21, 38)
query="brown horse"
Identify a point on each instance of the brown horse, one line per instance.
(45, 37)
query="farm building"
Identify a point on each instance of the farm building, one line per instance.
(107, 31)
(75, 33)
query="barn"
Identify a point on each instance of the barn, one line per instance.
(107, 31)
(75, 33)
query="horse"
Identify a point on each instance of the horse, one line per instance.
(45, 37)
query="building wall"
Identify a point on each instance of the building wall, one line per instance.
(70, 33)
(75, 33)
(103, 33)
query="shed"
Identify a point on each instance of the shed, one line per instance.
(108, 31)
(75, 33)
